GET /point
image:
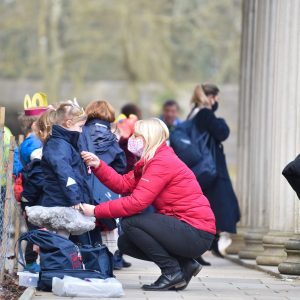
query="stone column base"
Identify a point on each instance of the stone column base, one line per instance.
(291, 265)
(253, 245)
(273, 244)
(236, 245)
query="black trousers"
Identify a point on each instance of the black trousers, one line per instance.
(164, 240)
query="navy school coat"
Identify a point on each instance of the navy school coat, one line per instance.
(32, 181)
(98, 139)
(64, 171)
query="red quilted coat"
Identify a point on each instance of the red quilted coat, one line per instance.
(165, 182)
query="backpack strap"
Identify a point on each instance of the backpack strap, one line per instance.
(20, 259)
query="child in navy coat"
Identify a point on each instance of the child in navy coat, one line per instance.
(98, 138)
(64, 171)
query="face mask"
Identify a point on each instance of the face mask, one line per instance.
(136, 146)
(215, 106)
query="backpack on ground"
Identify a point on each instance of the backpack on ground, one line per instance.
(97, 258)
(58, 257)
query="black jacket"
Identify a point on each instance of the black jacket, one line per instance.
(292, 174)
(32, 181)
(104, 144)
(221, 195)
(98, 139)
(65, 172)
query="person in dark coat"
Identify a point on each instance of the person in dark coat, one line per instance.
(221, 195)
(98, 138)
(65, 173)
(100, 114)
(33, 175)
(64, 170)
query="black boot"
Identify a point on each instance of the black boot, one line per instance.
(189, 269)
(166, 282)
(119, 261)
(202, 262)
(215, 248)
(126, 264)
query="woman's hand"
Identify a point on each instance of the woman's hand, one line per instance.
(36, 249)
(88, 209)
(78, 207)
(90, 159)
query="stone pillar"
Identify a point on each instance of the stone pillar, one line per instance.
(259, 142)
(291, 265)
(290, 15)
(286, 45)
(243, 125)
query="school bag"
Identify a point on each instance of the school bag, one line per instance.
(97, 258)
(58, 257)
(197, 150)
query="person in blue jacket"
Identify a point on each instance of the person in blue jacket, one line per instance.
(33, 178)
(64, 171)
(221, 195)
(97, 137)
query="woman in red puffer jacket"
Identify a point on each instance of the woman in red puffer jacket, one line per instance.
(183, 227)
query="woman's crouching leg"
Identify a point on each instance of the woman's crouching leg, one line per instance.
(129, 248)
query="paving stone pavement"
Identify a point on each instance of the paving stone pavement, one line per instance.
(223, 280)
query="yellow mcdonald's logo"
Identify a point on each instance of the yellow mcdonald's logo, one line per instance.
(38, 100)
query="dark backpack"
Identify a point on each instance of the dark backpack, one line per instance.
(197, 150)
(56, 252)
(98, 258)
(58, 257)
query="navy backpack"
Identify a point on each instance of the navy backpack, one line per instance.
(197, 150)
(58, 257)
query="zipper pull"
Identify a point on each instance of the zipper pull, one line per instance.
(80, 257)
(89, 170)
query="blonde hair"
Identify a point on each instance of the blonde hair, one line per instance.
(199, 98)
(44, 124)
(70, 110)
(155, 132)
(100, 109)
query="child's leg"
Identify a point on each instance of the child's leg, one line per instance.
(31, 255)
